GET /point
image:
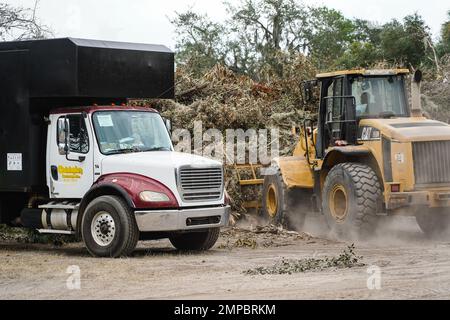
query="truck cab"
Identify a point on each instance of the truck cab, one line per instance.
(126, 152)
(106, 172)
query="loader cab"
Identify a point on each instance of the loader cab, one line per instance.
(347, 97)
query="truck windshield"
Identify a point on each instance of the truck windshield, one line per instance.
(379, 96)
(130, 131)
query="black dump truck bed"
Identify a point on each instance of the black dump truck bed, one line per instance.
(36, 76)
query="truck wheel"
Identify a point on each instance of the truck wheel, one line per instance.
(109, 228)
(433, 222)
(351, 199)
(283, 206)
(195, 241)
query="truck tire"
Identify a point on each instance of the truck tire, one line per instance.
(196, 241)
(109, 228)
(283, 206)
(351, 199)
(433, 222)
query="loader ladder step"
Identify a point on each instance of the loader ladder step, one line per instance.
(252, 204)
(254, 180)
(248, 182)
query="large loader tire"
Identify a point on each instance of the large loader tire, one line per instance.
(196, 241)
(351, 199)
(109, 228)
(434, 222)
(283, 206)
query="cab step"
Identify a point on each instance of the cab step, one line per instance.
(61, 205)
(52, 231)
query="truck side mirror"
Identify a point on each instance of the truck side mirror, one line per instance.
(63, 136)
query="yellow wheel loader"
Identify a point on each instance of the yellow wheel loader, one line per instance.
(370, 153)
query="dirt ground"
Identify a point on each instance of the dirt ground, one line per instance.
(410, 267)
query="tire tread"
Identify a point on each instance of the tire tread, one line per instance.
(367, 194)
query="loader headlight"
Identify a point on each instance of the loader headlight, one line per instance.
(152, 196)
(369, 133)
(376, 135)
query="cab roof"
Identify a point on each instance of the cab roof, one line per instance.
(363, 72)
(94, 108)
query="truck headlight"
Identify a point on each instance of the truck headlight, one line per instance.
(152, 196)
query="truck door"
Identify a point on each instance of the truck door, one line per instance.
(71, 175)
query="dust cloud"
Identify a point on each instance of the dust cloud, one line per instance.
(389, 230)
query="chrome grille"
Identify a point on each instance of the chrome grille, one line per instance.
(432, 162)
(201, 184)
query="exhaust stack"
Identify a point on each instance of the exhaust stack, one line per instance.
(416, 100)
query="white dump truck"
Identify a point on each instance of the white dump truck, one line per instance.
(76, 159)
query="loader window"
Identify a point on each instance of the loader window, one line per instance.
(376, 96)
(335, 107)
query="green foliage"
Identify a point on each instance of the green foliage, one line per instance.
(444, 44)
(261, 29)
(404, 43)
(347, 259)
(331, 35)
(199, 43)
(22, 235)
(260, 32)
(359, 54)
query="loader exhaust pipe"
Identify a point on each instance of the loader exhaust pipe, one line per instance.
(416, 100)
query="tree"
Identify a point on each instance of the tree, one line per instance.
(274, 26)
(360, 54)
(330, 37)
(366, 31)
(444, 43)
(248, 41)
(200, 41)
(260, 35)
(18, 23)
(365, 50)
(263, 28)
(408, 43)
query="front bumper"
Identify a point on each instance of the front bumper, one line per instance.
(432, 199)
(183, 219)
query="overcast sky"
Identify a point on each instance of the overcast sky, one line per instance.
(147, 20)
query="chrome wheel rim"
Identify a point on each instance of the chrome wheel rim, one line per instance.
(103, 228)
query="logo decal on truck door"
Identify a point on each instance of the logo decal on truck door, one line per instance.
(70, 172)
